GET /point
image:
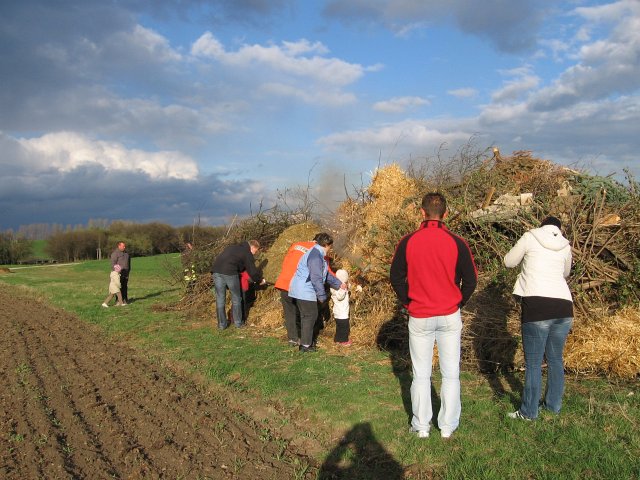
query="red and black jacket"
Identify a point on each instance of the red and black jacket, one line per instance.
(432, 271)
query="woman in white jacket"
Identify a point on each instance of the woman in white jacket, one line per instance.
(547, 312)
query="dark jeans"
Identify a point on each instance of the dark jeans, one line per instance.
(221, 283)
(544, 338)
(291, 316)
(308, 318)
(342, 330)
(124, 284)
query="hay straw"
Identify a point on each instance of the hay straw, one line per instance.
(609, 346)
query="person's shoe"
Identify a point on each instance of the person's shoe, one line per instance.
(445, 434)
(242, 325)
(293, 343)
(348, 343)
(222, 327)
(419, 433)
(120, 304)
(310, 348)
(105, 305)
(518, 416)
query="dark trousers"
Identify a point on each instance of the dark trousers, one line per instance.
(342, 330)
(291, 316)
(124, 283)
(308, 318)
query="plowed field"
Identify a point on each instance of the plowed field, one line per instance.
(74, 404)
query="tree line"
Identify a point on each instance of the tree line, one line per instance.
(98, 241)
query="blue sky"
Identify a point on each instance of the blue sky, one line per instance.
(157, 110)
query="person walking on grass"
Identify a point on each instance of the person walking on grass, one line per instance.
(120, 256)
(434, 275)
(546, 314)
(114, 287)
(226, 270)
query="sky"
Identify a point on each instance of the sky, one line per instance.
(200, 110)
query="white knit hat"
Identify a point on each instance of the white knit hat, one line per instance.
(342, 275)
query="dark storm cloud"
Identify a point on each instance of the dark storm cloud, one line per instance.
(91, 191)
(509, 26)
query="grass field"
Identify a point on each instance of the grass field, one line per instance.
(356, 396)
(38, 249)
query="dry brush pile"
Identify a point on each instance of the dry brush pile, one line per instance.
(492, 201)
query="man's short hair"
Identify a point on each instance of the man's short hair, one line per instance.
(255, 244)
(434, 205)
(324, 239)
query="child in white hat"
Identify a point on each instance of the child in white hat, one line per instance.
(340, 299)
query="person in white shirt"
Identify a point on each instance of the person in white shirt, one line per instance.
(340, 298)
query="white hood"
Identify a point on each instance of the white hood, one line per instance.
(550, 237)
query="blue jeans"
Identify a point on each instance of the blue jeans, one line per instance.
(221, 283)
(445, 331)
(544, 338)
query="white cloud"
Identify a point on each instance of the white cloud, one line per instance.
(515, 89)
(399, 104)
(154, 45)
(302, 59)
(400, 139)
(463, 92)
(66, 151)
(606, 67)
(332, 98)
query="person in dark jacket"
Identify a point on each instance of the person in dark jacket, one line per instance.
(120, 256)
(433, 275)
(226, 270)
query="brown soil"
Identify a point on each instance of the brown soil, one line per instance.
(74, 404)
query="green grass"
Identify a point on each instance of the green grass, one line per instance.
(358, 397)
(37, 249)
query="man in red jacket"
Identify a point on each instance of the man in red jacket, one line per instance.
(433, 275)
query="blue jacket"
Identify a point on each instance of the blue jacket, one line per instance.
(312, 272)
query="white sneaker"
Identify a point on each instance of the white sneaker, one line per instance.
(105, 305)
(518, 416)
(419, 433)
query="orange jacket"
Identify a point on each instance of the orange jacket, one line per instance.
(290, 263)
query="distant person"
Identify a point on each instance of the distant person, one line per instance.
(114, 287)
(226, 270)
(307, 288)
(434, 275)
(120, 257)
(340, 298)
(546, 312)
(289, 266)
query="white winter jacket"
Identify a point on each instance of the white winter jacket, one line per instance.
(546, 262)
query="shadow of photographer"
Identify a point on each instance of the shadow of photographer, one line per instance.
(359, 455)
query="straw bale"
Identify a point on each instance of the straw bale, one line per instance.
(275, 254)
(609, 346)
(392, 211)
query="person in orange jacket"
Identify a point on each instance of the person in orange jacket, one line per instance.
(289, 266)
